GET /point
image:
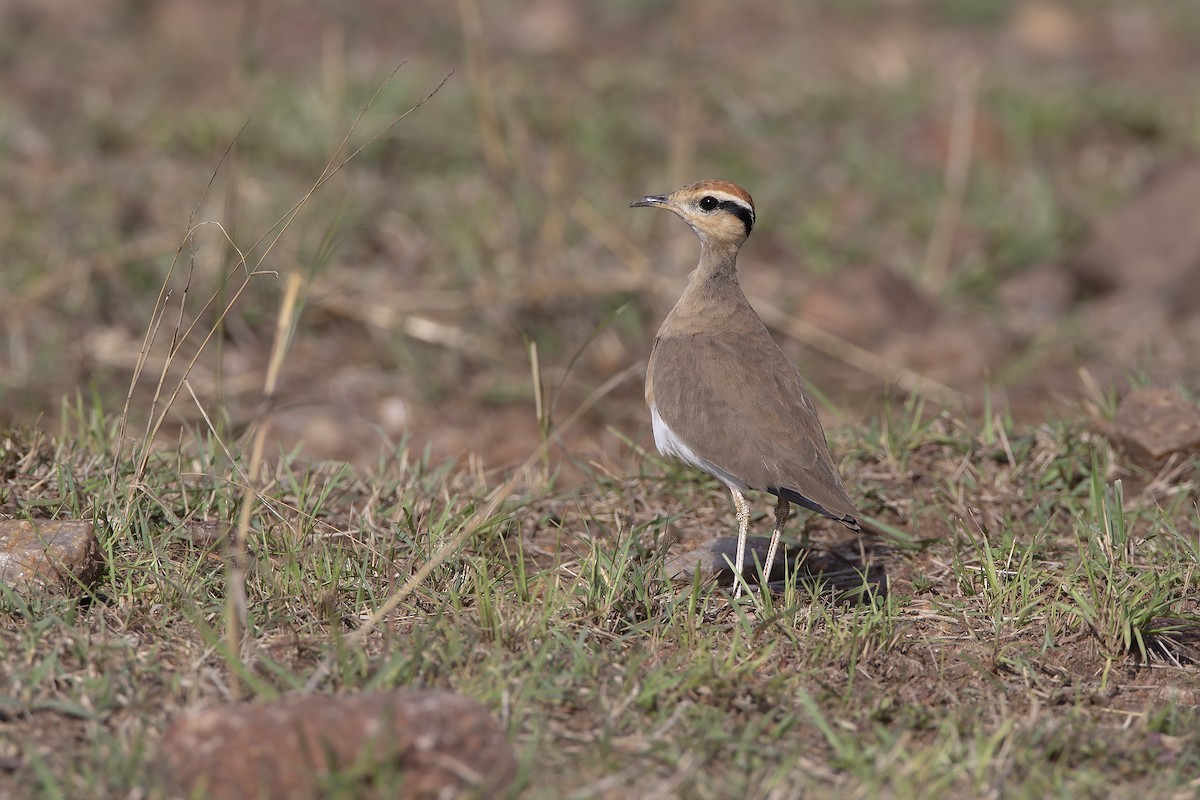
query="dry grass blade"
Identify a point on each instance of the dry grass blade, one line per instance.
(160, 310)
(236, 617)
(155, 422)
(333, 166)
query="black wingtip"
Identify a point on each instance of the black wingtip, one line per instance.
(791, 495)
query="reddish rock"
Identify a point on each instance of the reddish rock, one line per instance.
(48, 554)
(445, 745)
(1150, 247)
(1157, 422)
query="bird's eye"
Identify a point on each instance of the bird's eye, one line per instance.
(708, 203)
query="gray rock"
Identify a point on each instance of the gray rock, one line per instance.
(55, 555)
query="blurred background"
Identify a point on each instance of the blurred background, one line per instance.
(962, 201)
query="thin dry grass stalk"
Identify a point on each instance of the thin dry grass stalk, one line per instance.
(160, 310)
(236, 618)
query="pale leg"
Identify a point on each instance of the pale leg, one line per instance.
(782, 510)
(743, 517)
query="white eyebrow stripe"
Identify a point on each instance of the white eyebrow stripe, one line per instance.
(726, 197)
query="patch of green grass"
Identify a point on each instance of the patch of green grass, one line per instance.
(604, 674)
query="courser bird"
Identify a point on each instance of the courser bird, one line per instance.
(723, 397)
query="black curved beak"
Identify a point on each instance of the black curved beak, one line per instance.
(650, 200)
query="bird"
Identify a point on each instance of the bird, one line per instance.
(723, 396)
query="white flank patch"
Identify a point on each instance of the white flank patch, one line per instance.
(671, 445)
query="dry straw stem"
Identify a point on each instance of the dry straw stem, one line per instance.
(535, 368)
(154, 423)
(958, 170)
(160, 309)
(235, 591)
(236, 619)
(358, 637)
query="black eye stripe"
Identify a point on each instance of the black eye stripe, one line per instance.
(739, 210)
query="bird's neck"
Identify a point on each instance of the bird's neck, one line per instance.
(712, 295)
(717, 261)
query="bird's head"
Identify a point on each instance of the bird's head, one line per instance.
(721, 213)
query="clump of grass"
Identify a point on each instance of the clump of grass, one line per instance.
(1127, 594)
